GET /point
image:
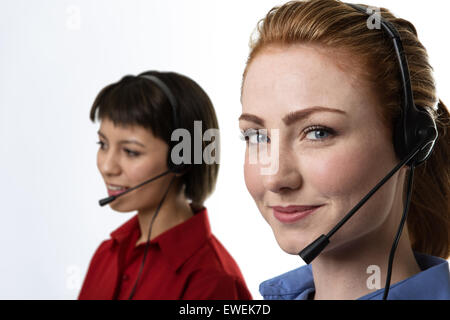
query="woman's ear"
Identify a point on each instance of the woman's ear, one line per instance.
(182, 171)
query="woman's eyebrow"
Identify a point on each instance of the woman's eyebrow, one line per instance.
(122, 141)
(252, 118)
(293, 116)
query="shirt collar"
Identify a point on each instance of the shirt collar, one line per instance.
(293, 285)
(432, 283)
(124, 231)
(178, 243)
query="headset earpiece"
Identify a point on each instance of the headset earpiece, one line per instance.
(414, 126)
(175, 168)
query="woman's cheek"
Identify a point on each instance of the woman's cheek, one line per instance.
(253, 181)
(99, 161)
(337, 172)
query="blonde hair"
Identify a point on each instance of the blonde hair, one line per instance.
(333, 24)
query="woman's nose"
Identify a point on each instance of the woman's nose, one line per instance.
(286, 177)
(108, 163)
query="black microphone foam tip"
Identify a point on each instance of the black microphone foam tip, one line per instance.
(105, 201)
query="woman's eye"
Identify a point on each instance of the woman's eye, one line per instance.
(318, 133)
(253, 136)
(101, 143)
(131, 153)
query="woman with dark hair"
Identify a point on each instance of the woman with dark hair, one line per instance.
(322, 89)
(167, 250)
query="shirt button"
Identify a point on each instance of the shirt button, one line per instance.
(125, 277)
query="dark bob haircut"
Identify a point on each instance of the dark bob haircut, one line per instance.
(136, 101)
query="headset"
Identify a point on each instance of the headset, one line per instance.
(177, 168)
(414, 123)
(172, 168)
(414, 136)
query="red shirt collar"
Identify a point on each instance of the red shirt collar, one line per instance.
(178, 243)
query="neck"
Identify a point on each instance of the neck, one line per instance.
(174, 210)
(359, 268)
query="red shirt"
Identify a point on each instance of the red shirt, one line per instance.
(184, 262)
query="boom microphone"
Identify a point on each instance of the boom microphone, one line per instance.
(107, 200)
(309, 253)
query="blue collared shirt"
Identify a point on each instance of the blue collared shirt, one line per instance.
(432, 283)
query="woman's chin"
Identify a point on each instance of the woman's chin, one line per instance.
(292, 246)
(120, 208)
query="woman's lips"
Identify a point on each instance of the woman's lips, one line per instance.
(292, 214)
(115, 192)
(112, 192)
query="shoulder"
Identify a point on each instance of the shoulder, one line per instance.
(103, 247)
(200, 248)
(117, 237)
(212, 273)
(432, 283)
(101, 255)
(99, 267)
(289, 285)
(214, 257)
(213, 283)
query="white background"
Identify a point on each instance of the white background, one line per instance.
(54, 58)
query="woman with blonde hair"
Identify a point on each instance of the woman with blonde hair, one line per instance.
(344, 94)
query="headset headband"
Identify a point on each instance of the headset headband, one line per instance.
(168, 93)
(414, 126)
